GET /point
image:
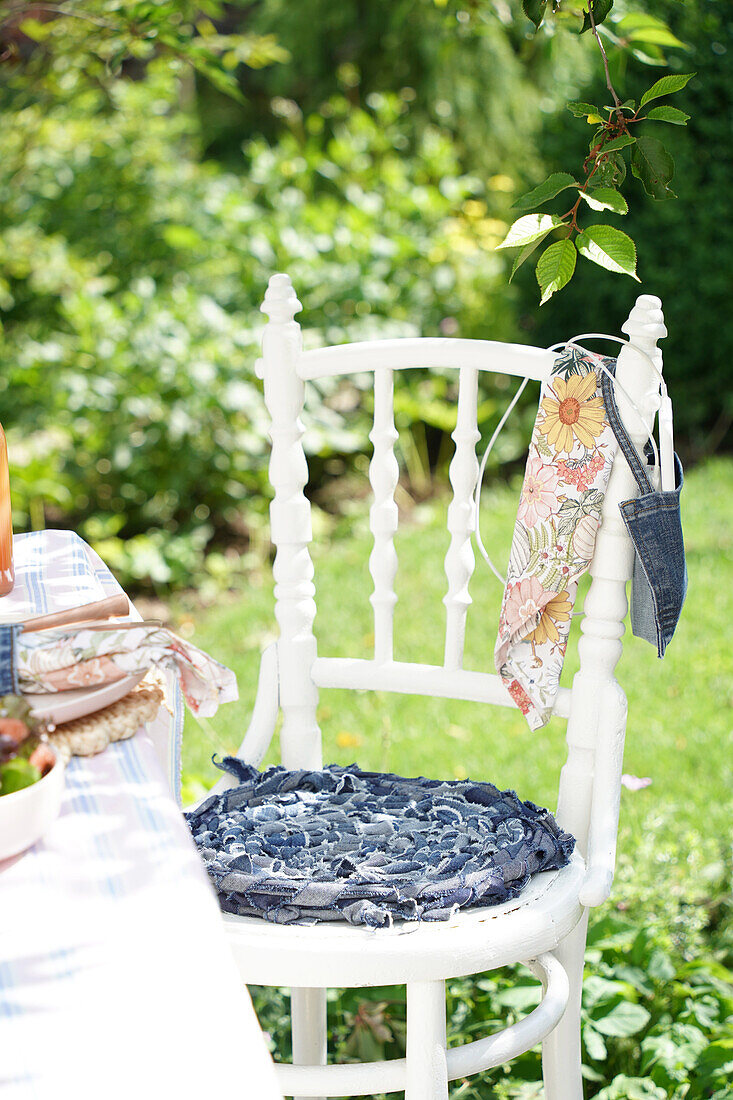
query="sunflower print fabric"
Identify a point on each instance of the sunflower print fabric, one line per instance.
(568, 466)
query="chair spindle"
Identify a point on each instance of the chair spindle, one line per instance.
(383, 475)
(460, 560)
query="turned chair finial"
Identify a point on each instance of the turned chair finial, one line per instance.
(281, 302)
(646, 320)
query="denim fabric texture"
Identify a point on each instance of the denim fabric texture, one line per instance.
(8, 670)
(366, 847)
(654, 523)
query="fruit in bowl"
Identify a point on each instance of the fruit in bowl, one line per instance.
(31, 778)
(24, 757)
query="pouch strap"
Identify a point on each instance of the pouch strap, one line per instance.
(628, 449)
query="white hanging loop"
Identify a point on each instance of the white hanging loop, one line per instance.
(482, 467)
(663, 456)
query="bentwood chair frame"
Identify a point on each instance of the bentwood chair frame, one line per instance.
(545, 927)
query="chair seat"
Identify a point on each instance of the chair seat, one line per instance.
(473, 940)
(430, 865)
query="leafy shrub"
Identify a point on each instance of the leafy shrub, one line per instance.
(130, 279)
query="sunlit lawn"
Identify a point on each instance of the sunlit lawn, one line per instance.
(680, 715)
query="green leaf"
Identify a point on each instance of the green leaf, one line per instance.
(609, 248)
(534, 10)
(632, 1088)
(660, 966)
(552, 186)
(605, 198)
(525, 255)
(623, 1020)
(717, 1059)
(666, 86)
(611, 171)
(642, 27)
(594, 1044)
(655, 36)
(581, 110)
(601, 8)
(35, 30)
(530, 228)
(668, 114)
(653, 165)
(619, 142)
(555, 268)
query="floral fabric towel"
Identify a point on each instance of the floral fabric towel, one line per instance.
(568, 466)
(78, 656)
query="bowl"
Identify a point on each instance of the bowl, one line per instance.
(25, 815)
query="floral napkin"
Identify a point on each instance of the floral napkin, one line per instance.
(78, 656)
(565, 480)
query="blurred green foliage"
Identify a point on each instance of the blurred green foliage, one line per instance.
(131, 277)
(143, 208)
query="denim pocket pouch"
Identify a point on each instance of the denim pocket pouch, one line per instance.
(659, 583)
(654, 523)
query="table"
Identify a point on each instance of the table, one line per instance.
(116, 979)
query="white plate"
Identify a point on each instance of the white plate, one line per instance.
(64, 706)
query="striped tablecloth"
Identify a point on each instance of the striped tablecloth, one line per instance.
(115, 976)
(57, 570)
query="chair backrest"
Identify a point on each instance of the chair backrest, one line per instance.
(595, 705)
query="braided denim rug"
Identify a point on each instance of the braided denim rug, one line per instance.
(368, 848)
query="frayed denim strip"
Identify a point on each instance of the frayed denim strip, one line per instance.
(8, 668)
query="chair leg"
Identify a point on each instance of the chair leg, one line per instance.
(427, 1070)
(308, 1024)
(561, 1049)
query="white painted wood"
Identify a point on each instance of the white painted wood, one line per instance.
(411, 678)
(516, 359)
(503, 1046)
(606, 797)
(590, 782)
(460, 560)
(308, 1022)
(383, 475)
(482, 1054)
(547, 923)
(605, 605)
(339, 954)
(427, 1068)
(261, 728)
(290, 524)
(561, 1054)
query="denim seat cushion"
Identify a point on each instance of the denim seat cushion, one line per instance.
(366, 847)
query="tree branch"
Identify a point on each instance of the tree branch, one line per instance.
(609, 84)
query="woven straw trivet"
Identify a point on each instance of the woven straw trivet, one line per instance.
(91, 734)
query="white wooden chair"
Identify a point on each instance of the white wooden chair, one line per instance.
(545, 927)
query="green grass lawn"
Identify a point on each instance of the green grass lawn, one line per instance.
(680, 716)
(658, 997)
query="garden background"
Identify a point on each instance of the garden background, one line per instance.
(373, 151)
